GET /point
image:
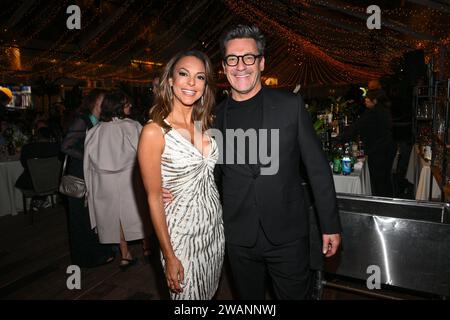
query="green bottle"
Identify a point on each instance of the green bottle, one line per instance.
(337, 162)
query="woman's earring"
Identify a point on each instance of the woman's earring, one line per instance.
(171, 93)
(202, 100)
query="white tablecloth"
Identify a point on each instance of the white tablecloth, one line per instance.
(418, 173)
(10, 197)
(358, 182)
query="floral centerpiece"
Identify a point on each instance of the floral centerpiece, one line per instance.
(16, 139)
(19, 139)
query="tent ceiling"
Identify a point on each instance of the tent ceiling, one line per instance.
(308, 42)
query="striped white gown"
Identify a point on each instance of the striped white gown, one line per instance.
(194, 217)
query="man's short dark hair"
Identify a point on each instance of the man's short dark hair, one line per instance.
(241, 32)
(89, 101)
(380, 96)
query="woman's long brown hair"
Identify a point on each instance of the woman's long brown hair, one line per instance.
(164, 95)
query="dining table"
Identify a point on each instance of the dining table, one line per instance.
(11, 202)
(419, 175)
(357, 182)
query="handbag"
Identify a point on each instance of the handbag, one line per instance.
(70, 185)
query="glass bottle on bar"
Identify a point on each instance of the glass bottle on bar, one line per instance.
(337, 161)
(346, 163)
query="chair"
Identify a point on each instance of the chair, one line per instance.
(45, 175)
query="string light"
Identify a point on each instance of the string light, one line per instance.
(43, 20)
(306, 44)
(272, 26)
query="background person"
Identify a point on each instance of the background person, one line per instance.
(375, 129)
(116, 196)
(85, 249)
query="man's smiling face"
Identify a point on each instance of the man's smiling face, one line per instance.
(245, 80)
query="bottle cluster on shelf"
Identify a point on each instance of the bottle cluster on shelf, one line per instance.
(342, 157)
(332, 122)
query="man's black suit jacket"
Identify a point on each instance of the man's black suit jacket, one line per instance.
(277, 202)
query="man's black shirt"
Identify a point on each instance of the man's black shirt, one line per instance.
(246, 115)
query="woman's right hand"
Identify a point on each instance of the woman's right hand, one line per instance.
(174, 274)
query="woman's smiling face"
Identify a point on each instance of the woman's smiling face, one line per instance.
(188, 81)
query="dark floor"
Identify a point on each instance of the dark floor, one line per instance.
(34, 260)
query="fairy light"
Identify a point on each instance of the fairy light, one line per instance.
(131, 21)
(117, 53)
(273, 26)
(93, 43)
(177, 30)
(30, 17)
(306, 44)
(354, 49)
(60, 43)
(43, 23)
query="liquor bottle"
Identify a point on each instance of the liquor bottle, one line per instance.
(346, 164)
(337, 161)
(337, 166)
(346, 147)
(341, 124)
(337, 121)
(361, 149)
(355, 151)
(328, 131)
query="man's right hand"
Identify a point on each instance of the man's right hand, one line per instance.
(167, 196)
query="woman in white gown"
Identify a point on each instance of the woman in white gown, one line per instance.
(177, 154)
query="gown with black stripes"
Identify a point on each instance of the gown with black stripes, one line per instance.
(194, 217)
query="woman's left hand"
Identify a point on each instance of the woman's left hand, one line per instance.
(174, 274)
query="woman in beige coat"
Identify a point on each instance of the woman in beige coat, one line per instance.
(116, 197)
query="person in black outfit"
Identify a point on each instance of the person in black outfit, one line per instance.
(265, 217)
(86, 251)
(375, 129)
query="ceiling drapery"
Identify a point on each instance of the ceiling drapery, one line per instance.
(308, 42)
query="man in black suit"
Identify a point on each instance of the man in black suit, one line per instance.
(264, 212)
